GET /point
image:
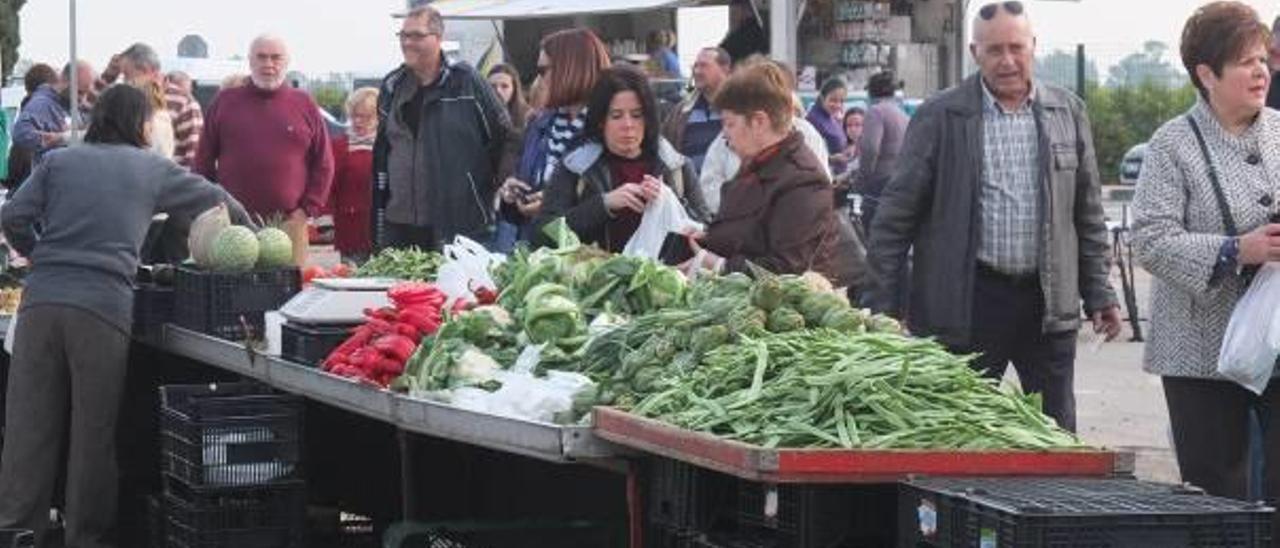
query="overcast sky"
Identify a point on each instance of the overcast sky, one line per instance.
(358, 36)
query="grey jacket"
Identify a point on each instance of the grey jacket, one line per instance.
(444, 177)
(880, 145)
(1178, 231)
(933, 204)
(95, 203)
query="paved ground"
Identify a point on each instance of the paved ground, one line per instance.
(1119, 405)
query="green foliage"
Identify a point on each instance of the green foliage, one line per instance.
(331, 98)
(1124, 116)
(10, 35)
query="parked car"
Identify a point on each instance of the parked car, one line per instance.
(1131, 164)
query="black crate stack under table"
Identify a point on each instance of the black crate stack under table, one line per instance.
(232, 467)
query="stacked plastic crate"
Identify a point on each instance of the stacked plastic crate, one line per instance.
(232, 472)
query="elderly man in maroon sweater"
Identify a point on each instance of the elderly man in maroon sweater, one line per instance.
(267, 144)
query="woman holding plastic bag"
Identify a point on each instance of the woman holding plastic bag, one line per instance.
(778, 213)
(603, 187)
(1201, 228)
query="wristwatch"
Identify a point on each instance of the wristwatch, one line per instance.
(1229, 257)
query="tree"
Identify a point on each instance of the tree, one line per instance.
(1125, 116)
(1060, 68)
(1148, 65)
(10, 38)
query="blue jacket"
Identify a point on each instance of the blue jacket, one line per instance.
(46, 113)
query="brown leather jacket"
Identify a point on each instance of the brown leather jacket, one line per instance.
(778, 214)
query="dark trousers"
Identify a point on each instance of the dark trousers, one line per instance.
(67, 376)
(1211, 431)
(1008, 313)
(402, 236)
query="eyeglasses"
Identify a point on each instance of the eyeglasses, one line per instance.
(413, 36)
(1012, 7)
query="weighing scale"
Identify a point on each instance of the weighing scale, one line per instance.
(337, 301)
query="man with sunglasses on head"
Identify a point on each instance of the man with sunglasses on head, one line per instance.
(997, 197)
(441, 136)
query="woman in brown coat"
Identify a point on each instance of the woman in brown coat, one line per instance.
(778, 212)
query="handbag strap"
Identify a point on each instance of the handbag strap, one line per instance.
(1228, 221)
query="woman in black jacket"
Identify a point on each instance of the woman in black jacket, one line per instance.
(603, 187)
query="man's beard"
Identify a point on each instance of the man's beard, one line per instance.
(270, 84)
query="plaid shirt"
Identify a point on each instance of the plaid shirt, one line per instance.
(1010, 187)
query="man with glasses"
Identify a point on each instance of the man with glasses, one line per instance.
(997, 194)
(441, 135)
(267, 143)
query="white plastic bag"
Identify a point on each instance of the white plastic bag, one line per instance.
(466, 266)
(1252, 341)
(9, 333)
(662, 216)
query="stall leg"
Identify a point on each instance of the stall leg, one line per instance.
(635, 507)
(408, 481)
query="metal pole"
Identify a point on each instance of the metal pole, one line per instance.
(1080, 73)
(75, 70)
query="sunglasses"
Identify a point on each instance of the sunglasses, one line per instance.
(413, 36)
(1012, 7)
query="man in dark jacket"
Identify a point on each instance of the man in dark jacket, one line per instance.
(997, 192)
(693, 124)
(441, 136)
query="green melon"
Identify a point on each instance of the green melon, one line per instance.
(235, 249)
(275, 248)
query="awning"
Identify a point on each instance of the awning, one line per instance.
(527, 9)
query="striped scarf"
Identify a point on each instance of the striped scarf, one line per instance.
(565, 134)
(356, 142)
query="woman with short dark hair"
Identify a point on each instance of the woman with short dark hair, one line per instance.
(94, 203)
(569, 66)
(603, 187)
(778, 212)
(1204, 220)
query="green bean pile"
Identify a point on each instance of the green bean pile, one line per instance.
(821, 388)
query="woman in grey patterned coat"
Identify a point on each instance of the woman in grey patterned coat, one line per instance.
(1201, 224)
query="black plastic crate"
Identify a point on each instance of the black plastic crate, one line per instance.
(227, 435)
(17, 538)
(258, 517)
(505, 534)
(311, 344)
(152, 308)
(1073, 513)
(656, 536)
(222, 304)
(799, 516)
(683, 496)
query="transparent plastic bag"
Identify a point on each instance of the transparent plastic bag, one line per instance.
(662, 216)
(1252, 341)
(466, 267)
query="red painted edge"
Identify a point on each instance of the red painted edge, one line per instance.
(836, 465)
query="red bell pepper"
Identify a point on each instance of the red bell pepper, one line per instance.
(398, 347)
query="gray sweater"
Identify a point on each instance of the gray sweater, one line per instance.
(94, 204)
(884, 128)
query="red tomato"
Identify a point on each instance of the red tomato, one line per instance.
(312, 272)
(343, 270)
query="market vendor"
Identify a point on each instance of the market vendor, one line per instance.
(603, 187)
(778, 212)
(94, 203)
